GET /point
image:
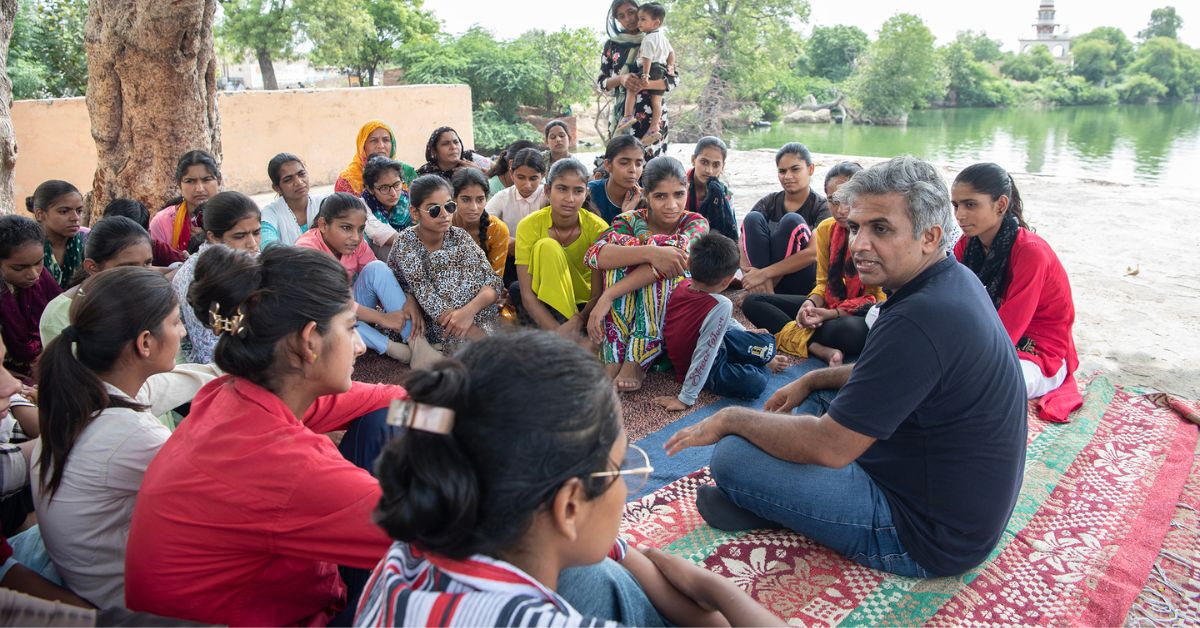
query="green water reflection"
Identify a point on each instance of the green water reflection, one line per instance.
(1149, 144)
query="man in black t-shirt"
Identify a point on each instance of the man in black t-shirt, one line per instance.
(916, 465)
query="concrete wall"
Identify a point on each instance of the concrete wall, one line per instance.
(54, 137)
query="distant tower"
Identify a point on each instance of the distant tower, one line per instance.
(1048, 35)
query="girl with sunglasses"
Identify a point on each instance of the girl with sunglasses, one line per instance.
(505, 506)
(338, 231)
(443, 269)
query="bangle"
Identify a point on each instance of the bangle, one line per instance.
(808, 300)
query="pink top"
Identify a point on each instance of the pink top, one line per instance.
(353, 263)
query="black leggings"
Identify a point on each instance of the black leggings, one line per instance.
(772, 312)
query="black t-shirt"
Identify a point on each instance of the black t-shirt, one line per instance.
(939, 386)
(814, 210)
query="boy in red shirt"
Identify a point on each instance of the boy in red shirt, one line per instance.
(707, 346)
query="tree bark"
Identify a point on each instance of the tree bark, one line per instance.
(8, 139)
(151, 96)
(267, 68)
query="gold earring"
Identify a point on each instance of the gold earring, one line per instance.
(313, 357)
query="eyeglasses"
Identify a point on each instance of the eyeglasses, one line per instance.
(635, 469)
(435, 210)
(394, 188)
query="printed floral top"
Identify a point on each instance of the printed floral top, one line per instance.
(446, 279)
(633, 229)
(621, 58)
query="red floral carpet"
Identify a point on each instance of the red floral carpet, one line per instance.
(1093, 522)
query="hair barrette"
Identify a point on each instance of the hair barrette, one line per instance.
(419, 416)
(221, 324)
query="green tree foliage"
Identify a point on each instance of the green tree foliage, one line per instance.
(267, 30)
(1164, 22)
(395, 23)
(565, 59)
(981, 47)
(1095, 60)
(899, 72)
(1171, 63)
(1140, 89)
(970, 82)
(1030, 66)
(493, 132)
(46, 55)
(1122, 47)
(501, 74)
(833, 51)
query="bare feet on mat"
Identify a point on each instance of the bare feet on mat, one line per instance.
(778, 363)
(630, 377)
(670, 403)
(423, 353)
(830, 355)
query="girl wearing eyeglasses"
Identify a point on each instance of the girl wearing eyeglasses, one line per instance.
(339, 231)
(505, 506)
(443, 269)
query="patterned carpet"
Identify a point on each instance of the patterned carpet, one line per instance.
(1097, 501)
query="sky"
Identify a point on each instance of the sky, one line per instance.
(1007, 21)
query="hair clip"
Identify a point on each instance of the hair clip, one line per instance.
(419, 416)
(221, 324)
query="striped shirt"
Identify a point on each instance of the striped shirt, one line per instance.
(413, 588)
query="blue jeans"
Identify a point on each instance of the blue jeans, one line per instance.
(607, 590)
(840, 508)
(740, 368)
(766, 246)
(375, 286)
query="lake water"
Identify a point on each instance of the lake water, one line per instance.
(1128, 144)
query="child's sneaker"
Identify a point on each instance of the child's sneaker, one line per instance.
(625, 123)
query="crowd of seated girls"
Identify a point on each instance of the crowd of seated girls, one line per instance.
(211, 346)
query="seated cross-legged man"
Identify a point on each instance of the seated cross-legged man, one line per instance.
(915, 466)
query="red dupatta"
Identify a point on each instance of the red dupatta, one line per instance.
(843, 288)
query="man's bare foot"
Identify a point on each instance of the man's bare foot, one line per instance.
(778, 363)
(670, 403)
(630, 377)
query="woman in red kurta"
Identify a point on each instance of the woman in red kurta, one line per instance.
(1025, 280)
(248, 510)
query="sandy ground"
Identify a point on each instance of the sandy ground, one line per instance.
(1132, 327)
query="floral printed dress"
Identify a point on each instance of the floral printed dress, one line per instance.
(621, 58)
(445, 279)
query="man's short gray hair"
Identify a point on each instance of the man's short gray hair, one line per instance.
(923, 189)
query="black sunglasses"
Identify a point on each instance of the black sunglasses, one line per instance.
(436, 210)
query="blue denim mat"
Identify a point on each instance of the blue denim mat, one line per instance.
(668, 469)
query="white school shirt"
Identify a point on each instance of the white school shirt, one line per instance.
(86, 524)
(508, 205)
(655, 47)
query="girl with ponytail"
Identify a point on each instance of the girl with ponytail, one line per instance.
(247, 512)
(471, 194)
(1025, 281)
(102, 382)
(493, 493)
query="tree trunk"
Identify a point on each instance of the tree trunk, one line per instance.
(267, 68)
(8, 139)
(371, 76)
(151, 94)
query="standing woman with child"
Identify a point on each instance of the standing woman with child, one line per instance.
(199, 179)
(642, 256)
(619, 75)
(444, 269)
(58, 208)
(1026, 282)
(99, 433)
(28, 287)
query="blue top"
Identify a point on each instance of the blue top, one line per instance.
(600, 204)
(939, 385)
